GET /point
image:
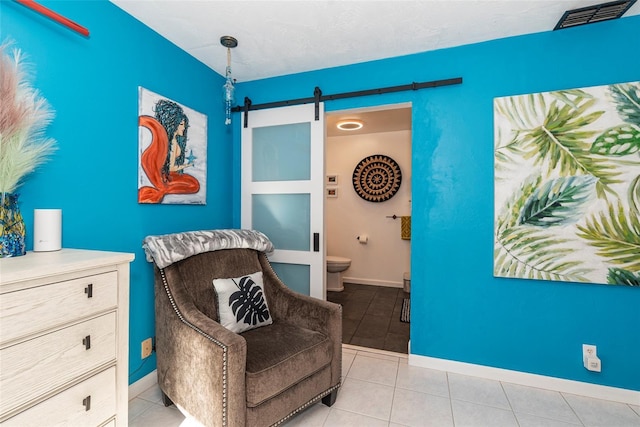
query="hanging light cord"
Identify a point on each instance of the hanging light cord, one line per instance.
(228, 87)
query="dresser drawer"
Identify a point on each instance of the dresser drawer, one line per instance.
(36, 309)
(43, 364)
(67, 408)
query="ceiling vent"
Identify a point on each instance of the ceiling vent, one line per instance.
(595, 13)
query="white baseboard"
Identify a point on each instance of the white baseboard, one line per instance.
(143, 384)
(361, 281)
(532, 380)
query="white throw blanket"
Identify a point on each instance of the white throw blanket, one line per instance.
(169, 248)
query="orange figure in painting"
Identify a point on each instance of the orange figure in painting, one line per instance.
(164, 159)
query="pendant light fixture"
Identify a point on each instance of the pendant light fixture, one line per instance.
(228, 89)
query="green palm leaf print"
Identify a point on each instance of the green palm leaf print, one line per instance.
(533, 253)
(627, 99)
(523, 250)
(616, 235)
(558, 201)
(556, 136)
(617, 141)
(618, 276)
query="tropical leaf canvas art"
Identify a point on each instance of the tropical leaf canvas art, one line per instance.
(567, 185)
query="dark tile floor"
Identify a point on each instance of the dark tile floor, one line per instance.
(371, 317)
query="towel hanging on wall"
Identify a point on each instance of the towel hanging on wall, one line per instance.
(405, 227)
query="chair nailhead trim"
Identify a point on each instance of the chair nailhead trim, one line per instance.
(210, 338)
(224, 359)
(306, 405)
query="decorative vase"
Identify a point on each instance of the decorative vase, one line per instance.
(12, 229)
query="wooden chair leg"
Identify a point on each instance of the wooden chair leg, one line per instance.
(330, 399)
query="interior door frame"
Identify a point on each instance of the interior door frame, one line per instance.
(368, 109)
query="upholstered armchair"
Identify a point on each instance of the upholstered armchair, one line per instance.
(258, 377)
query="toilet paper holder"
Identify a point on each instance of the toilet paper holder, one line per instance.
(363, 238)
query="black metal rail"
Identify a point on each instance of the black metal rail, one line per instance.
(319, 97)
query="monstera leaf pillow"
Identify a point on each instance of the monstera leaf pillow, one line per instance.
(241, 302)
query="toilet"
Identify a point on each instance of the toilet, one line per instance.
(335, 266)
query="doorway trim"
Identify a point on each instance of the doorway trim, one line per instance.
(344, 181)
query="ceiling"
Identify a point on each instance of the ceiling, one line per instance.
(388, 119)
(286, 37)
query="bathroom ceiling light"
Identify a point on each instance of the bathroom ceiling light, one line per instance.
(350, 124)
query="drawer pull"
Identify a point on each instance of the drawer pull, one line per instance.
(86, 402)
(89, 290)
(87, 342)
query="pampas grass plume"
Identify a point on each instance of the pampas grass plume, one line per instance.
(24, 115)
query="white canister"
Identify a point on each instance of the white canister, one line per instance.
(47, 230)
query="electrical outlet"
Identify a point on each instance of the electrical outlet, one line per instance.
(594, 364)
(590, 358)
(588, 351)
(147, 347)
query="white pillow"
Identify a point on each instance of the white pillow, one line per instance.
(242, 304)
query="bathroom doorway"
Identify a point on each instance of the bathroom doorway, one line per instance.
(364, 222)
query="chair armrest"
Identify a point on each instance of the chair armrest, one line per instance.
(308, 312)
(292, 307)
(200, 364)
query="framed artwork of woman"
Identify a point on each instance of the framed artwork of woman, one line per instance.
(172, 150)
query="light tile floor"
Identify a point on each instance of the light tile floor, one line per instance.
(381, 389)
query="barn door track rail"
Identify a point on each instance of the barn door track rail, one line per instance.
(318, 97)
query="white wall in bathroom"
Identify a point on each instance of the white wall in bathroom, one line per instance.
(384, 259)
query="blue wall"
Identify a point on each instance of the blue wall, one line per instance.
(459, 310)
(92, 84)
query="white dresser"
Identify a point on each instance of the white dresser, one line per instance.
(64, 332)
